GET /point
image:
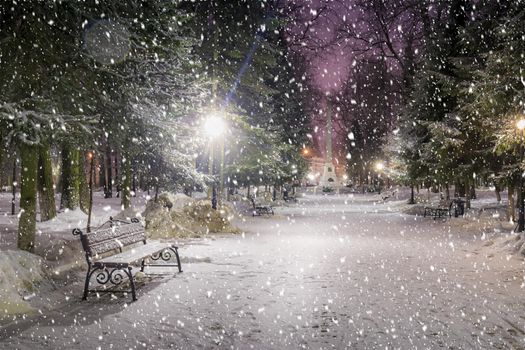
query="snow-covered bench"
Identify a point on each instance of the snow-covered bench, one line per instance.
(388, 194)
(446, 207)
(443, 209)
(259, 209)
(107, 260)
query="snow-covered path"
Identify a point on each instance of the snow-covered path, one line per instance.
(330, 273)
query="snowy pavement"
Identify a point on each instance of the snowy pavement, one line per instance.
(332, 272)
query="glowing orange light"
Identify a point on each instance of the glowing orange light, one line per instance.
(520, 124)
(306, 151)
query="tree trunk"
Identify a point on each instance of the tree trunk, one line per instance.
(83, 183)
(497, 189)
(108, 179)
(511, 209)
(134, 182)
(447, 192)
(1, 160)
(473, 190)
(466, 188)
(412, 199)
(28, 194)
(13, 189)
(46, 192)
(70, 179)
(461, 189)
(117, 175)
(126, 182)
(156, 192)
(96, 171)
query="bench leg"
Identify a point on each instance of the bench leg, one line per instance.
(86, 283)
(132, 283)
(176, 251)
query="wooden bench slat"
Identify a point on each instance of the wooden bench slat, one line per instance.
(118, 236)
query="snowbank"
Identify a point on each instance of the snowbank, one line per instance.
(20, 274)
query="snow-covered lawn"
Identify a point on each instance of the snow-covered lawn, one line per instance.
(66, 220)
(322, 274)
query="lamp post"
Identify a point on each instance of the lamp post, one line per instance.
(214, 127)
(379, 166)
(520, 125)
(91, 157)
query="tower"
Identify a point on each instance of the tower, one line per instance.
(329, 177)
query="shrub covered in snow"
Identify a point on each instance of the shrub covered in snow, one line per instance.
(177, 215)
(20, 274)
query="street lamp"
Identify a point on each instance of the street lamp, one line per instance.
(214, 127)
(520, 125)
(379, 166)
(91, 159)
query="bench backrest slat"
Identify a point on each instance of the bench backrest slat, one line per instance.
(108, 239)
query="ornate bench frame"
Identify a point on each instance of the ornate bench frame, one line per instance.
(109, 240)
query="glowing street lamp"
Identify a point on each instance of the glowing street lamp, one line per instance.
(379, 166)
(214, 126)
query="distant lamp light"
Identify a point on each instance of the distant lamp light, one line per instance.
(379, 166)
(520, 124)
(306, 151)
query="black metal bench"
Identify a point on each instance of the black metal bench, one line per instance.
(259, 209)
(288, 198)
(446, 208)
(443, 209)
(110, 264)
(388, 194)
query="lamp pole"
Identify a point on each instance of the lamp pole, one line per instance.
(221, 173)
(213, 193)
(214, 127)
(91, 156)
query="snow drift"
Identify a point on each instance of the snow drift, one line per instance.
(20, 274)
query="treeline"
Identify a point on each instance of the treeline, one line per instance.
(436, 89)
(459, 122)
(111, 94)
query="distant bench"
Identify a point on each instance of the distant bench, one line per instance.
(260, 209)
(110, 264)
(445, 207)
(388, 194)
